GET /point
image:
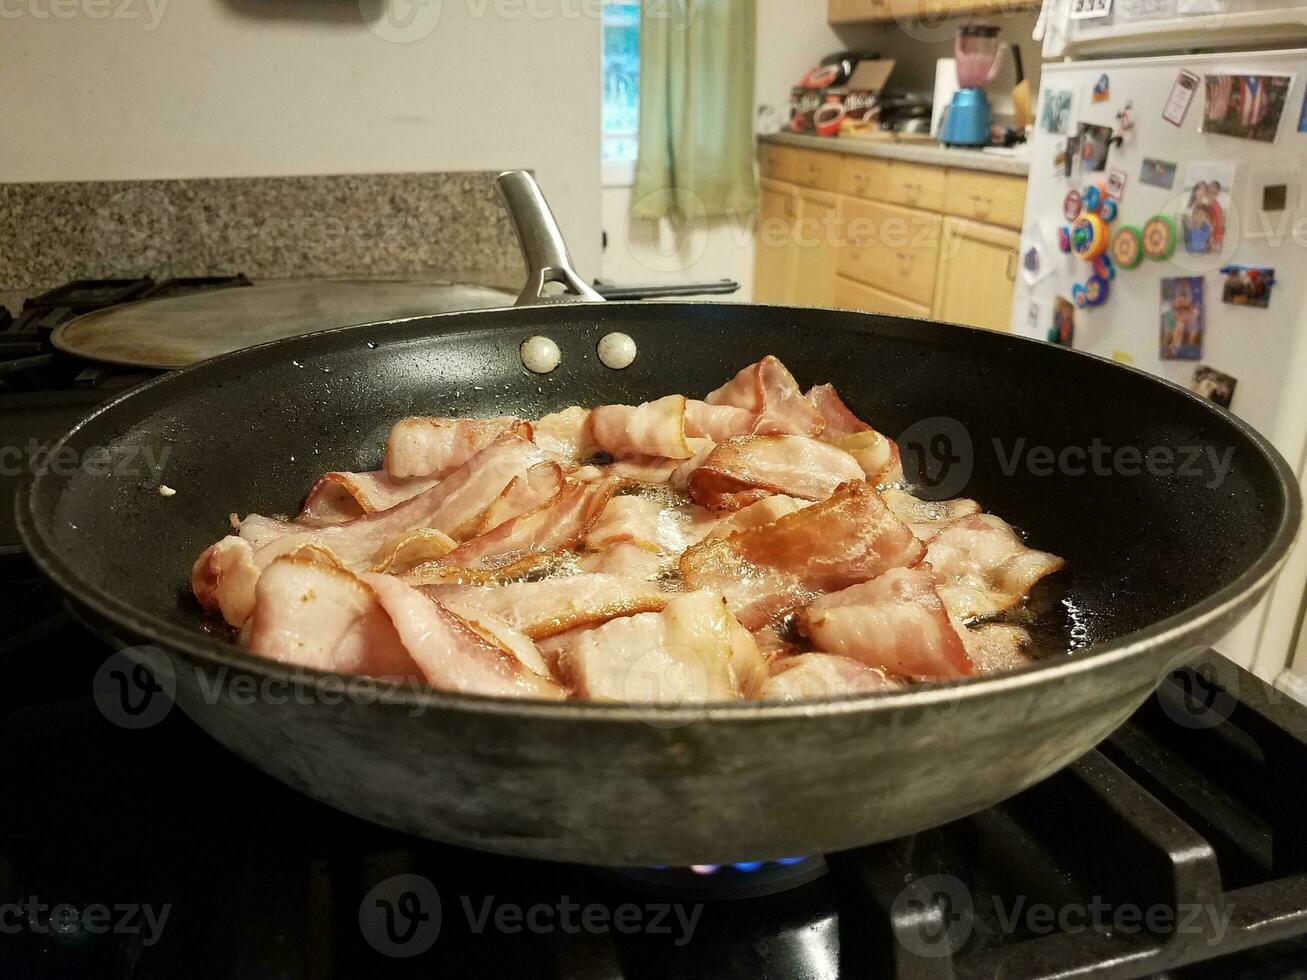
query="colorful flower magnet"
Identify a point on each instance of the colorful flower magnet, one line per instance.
(1089, 237)
(1096, 290)
(1159, 237)
(1127, 247)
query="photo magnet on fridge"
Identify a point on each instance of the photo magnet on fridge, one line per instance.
(1182, 96)
(1182, 319)
(1208, 188)
(1115, 186)
(1090, 9)
(1158, 173)
(1102, 90)
(1247, 285)
(1063, 330)
(1270, 198)
(1057, 112)
(1245, 106)
(1213, 385)
(1094, 144)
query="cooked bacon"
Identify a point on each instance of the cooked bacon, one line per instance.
(567, 434)
(996, 647)
(655, 428)
(314, 614)
(552, 606)
(451, 653)
(877, 455)
(765, 511)
(451, 506)
(413, 549)
(538, 485)
(627, 560)
(926, 517)
(983, 567)
(689, 654)
(631, 519)
(774, 646)
(744, 470)
(338, 497)
(840, 420)
(434, 447)
(771, 570)
(502, 635)
(224, 578)
(810, 676)
(556, 525)
(653, 470)
(717, 422)
(894, 622)
(770, 393)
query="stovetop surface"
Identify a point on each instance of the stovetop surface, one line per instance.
(1177, 849)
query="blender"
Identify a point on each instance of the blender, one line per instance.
(976, 52)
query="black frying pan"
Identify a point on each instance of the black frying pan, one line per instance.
(1160, 565)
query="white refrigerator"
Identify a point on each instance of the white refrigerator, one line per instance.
(1209, 164)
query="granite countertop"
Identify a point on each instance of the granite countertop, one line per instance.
(998, 162)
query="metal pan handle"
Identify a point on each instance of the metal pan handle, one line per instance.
(542, 243)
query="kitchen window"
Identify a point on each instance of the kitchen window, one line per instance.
(621, 100)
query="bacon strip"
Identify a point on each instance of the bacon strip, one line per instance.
(540, 484)
(810, 676)
(556, 525)
(744, 470)
(926, 517)
(717, 422)
(631, 519)
(451, 653)
(691, 653)
(983, 567)
(413, 549)
(552, 606)
(451, 506)
(655, 428)
(314, 614)
(840, 420)
(769, 571)
(338, 497)
(628, 561)
(568, 434)
(423, 446)
(996, 647)
(894, 622)
(768, 391)
(224, 578)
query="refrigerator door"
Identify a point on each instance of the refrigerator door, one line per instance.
(1246, 200)
(1139, 26)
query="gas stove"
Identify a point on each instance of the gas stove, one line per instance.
(1176, 849)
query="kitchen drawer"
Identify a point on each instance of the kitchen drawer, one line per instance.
(864, 177)
(993, 198)
(856, 11)
(778, 162)
(850, 295)
(890, 248)
(817, 168)
(913, 185)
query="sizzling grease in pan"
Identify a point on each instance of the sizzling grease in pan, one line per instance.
(759, 543)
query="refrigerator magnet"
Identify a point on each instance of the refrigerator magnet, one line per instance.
(1181, 319)
(1115, 185)
(1033, 316)
(1215, 386)
(1102, 90)
(1207, 186)
(1090, 9)
(1245, 106)
(1035, 263)
(1094, 144)
(1270, 198)
(1121, 357)
(1157, 173)
(1247, 285)
(1057, 111)
(1182, 95)
(1159, 236)
(1063, 328)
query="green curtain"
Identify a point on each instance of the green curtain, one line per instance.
(696, 109)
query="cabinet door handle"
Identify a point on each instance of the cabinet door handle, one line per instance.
(1011, 266)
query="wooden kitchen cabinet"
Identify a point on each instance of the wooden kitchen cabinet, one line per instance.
(886, 235)
(818, 247)
(977, 273)
(776, 251)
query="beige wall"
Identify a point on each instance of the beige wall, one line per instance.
(215, 88)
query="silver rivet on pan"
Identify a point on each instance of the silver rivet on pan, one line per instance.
(616, 350)
(540, 354)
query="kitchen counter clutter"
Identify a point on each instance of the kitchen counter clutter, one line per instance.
(929, 152)
(889, 228)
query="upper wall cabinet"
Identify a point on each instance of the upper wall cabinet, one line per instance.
(864, 11)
